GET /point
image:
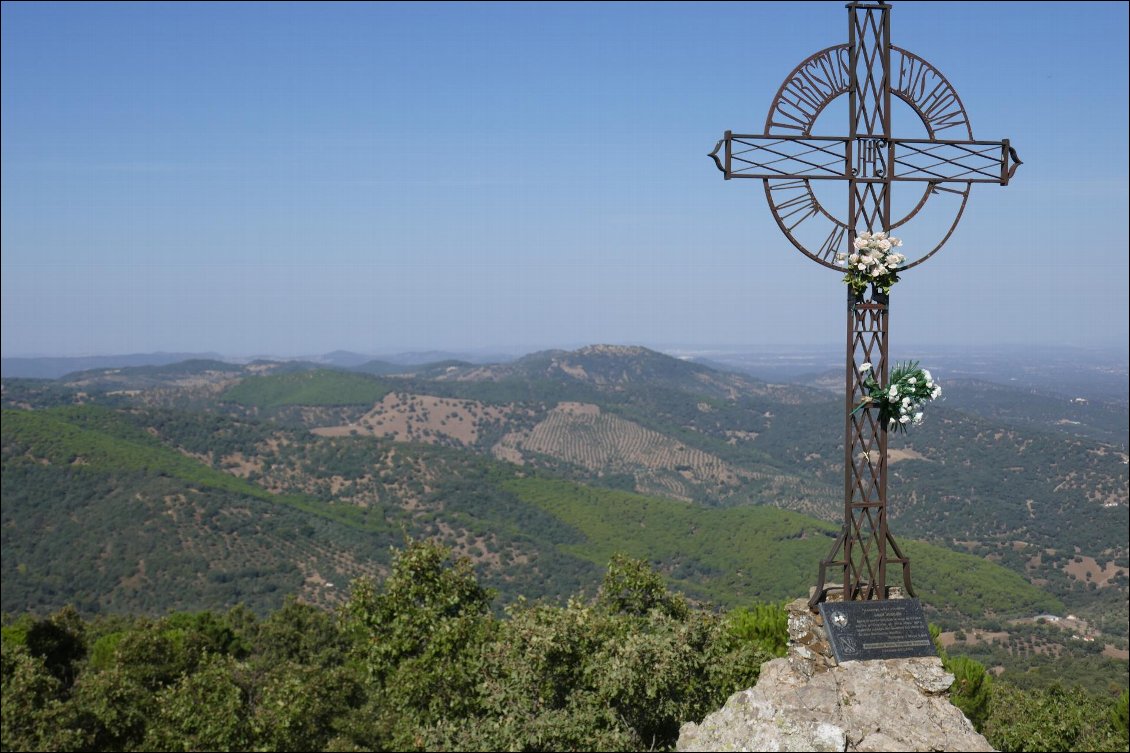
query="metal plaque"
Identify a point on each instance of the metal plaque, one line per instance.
(887, 629)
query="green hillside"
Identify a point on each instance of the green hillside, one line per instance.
(962, 477)
(319, 387)
(87, 484)
(737, 555)
(98, 513)
(96, 440)
(91, 484)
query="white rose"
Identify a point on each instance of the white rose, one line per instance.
(912, 380)
(894, 392)
(866, 366)
(854, 259)
(906, 402)
(896, 241)
(861, 266)
(926, 373)
(879, 236)
(865, 235)
(878, 271)
(885, 245)
(859, 243)
(891, 423)
(904, 419)
(918, 417)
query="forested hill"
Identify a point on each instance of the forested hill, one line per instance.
(202, 484)
(164, 529)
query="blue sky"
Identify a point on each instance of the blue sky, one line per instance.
(298, 178)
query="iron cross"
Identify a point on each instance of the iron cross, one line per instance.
(794, 166)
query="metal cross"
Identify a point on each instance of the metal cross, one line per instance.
(791, 162)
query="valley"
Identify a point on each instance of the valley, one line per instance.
(202, 484)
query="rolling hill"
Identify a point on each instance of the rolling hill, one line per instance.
(163, 528)
(475, 454)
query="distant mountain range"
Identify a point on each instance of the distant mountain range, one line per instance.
(53, 368)
(50, 367)
(1060, 371)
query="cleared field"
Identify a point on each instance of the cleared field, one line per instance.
(405, 417)
(1087, 569)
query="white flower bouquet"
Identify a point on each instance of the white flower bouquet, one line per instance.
(874, 262)
(900, 403)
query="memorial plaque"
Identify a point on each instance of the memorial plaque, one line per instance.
(888, 629)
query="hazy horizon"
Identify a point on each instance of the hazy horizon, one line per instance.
(1067, 371)
(518, 350)
(301, 178)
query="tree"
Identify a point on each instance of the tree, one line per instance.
(621, 674)
(632, 587)
(60, 641)
(33, 715)
(971, 690)
(301, 634)
(298, 706)
(205, 710)
(419, 641)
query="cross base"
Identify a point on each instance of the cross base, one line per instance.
(860, 589)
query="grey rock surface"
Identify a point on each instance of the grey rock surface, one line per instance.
(806, 702)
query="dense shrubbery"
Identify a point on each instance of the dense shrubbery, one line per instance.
(1041, 719)
(421, 662)
(1055, 719)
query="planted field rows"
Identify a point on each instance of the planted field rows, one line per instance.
(581, 434)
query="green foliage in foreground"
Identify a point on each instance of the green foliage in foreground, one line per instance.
(419, 662)
(1042, 719)
(318, 387)
(1055, 719)
(722, 555)
(972, 683)
(765, 624)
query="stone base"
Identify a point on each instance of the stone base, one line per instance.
(807, 702)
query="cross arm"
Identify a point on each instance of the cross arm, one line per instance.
(865, 159)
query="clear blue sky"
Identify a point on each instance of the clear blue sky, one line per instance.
(298, 178)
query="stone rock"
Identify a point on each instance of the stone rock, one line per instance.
(808, 702)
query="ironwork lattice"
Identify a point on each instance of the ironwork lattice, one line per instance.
(788, 158)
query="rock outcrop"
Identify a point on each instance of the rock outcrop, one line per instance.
(807, 702)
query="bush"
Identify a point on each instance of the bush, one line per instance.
(1052, 719)
(971, 690)
(766, 626)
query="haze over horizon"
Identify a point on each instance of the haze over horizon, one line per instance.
(522, 349)
(296, 179)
